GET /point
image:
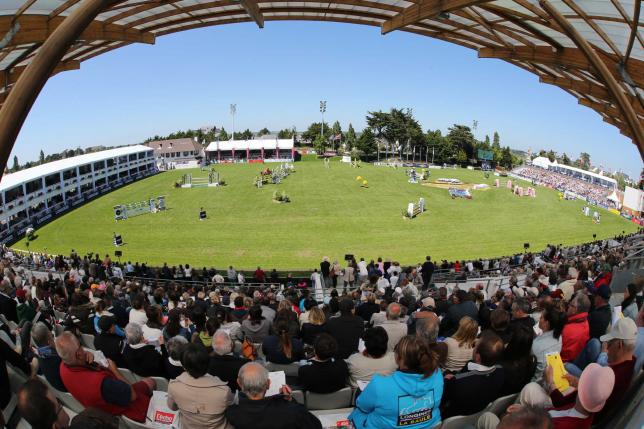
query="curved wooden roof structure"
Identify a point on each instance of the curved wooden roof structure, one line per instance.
(591, 49)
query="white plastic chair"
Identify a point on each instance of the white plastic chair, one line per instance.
(88, 341)
(329, 401)
(458, 422)
(290, 369)
(499, 405)
(162, 383)
(131, 424)
(129, 375)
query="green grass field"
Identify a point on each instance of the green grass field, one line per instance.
(330, 215)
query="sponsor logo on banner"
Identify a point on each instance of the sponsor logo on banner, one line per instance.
(163, 417)
(44, 218)
(60, 210)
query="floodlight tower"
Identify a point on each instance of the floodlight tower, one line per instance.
(233, 110)
(322, 110)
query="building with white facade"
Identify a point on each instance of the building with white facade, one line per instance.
(35, 195)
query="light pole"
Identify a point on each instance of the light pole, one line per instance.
(233, 110)
(322, 110)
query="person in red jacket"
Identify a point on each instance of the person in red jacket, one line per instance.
(101, 387)
(576, 331)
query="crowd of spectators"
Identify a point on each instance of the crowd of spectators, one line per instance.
(593, 193)
(416, 353)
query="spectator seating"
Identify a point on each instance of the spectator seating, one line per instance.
(162, 384)
(328, 401)
(499, 406)
(131, 424)
(290, 369)
(129, 375)
(88, 341)
(458, 422)
(65, 398)
(298, 396)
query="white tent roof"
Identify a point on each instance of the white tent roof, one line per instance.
(27, 175)
(613, 197)
(228, 145)
(541, 161)
(588, 173)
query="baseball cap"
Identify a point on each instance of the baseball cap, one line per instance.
(603, 291)
(105, 323)
(623, 329)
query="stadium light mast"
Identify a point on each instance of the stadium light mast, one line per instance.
(233, 110)
(322, 110)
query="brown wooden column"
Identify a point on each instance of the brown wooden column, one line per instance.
(614, 88)
(23, 95)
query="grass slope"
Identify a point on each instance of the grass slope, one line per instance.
(330, 214)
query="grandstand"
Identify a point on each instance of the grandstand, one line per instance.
(36, 195)
(585, 187)
(533, 282)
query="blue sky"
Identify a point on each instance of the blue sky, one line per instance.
(278, 75)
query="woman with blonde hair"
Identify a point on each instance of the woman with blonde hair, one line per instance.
(460, 346)
(315, 325)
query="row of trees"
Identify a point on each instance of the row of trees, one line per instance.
(397, 132)
(43, 159)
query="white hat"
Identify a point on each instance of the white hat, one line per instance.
(428, 302)
(544, 280)
(623, 329)
(573, 273)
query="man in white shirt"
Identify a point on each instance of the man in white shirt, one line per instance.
(362, 271)
(395, 329)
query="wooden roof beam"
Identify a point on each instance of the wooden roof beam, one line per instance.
(565, 57)
(37, 28)
(252, 8)
(615, 89)
(10, 77)
(589, 89)
(424, 10)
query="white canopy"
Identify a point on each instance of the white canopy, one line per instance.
(241, 145)
(613, 197)
(541, 161)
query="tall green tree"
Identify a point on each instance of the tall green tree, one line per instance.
(367, 142)
(462, 139)
(396, 125)
(16, 165)
(319, 144)
(285, 134)
(565, 160)
(584, 161)
(506, 158)
(314, 130)
(263, 132)
(440, 148)
(350, 138)
(496, 141)
(41, 158)
(551, 155)
(223, 135)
